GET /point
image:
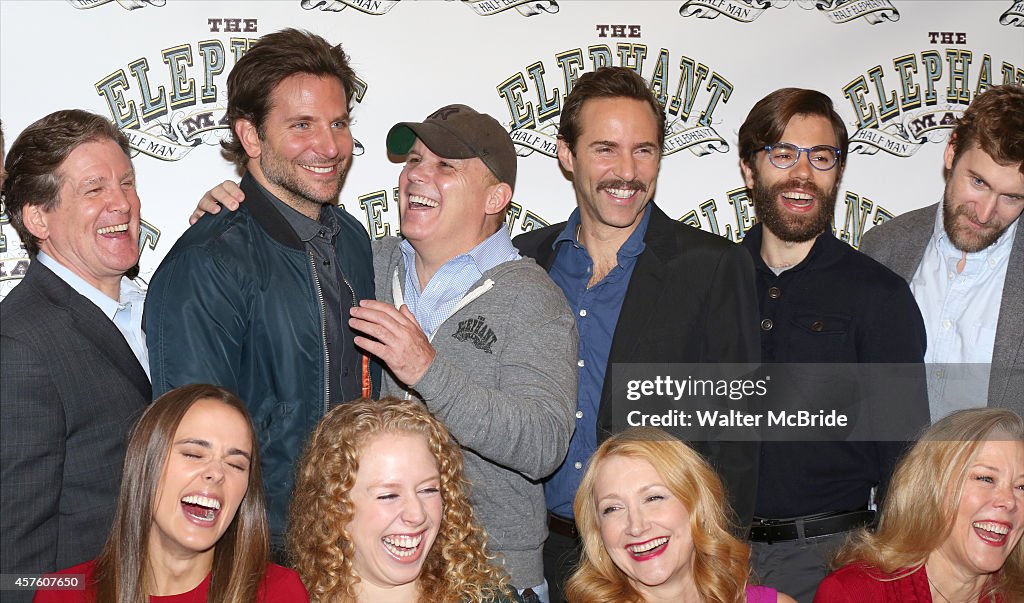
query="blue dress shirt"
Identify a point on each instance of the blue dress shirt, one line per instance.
(435, 303)
(597, 312)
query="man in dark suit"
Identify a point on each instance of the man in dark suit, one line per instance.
(73, 364)
(644, 288)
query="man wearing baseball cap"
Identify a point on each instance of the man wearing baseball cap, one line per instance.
(465, 324)
(481, 335)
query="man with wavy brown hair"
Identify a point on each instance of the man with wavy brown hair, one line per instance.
(257, 300)
(964, 260)
(72, 352)
(821, 301)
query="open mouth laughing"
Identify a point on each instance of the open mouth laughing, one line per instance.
(994, 533)
(200, 509)
(419, 202)
(648, 549)
(116, 228)
(404, 547)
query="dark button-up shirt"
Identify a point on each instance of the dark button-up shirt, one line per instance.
(837, 305)
(320, 238)
(597, 312)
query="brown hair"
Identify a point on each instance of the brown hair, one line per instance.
(606, 82)
(241, 555)
(271, 59)
(33, 165)
(924, 495)
(994, 122)
(767, 121)
(456, 568)
(721, 562)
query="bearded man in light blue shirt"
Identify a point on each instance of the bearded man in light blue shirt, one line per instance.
(964, 260)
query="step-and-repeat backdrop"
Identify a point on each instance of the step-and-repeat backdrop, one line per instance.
(899, 72)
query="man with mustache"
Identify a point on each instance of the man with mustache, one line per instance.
(820, 302)
(964, 260)
(256, 301)
(644, 288)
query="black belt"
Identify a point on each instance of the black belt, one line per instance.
(562, 526)
(822, 524)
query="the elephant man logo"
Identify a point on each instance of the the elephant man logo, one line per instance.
(484, 8)
(125, 4)
(476, 331)
(534, 126)
(1014, 16)
(189, 109)
(836, 11)
(899, 118)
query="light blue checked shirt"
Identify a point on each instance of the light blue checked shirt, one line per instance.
(961, 311)
(452, 282)
(125, 313)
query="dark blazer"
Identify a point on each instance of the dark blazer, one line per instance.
(691, 299)
(900, 244)
(70, 389)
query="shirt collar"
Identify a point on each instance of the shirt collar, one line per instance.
(492, 251)
(128, 293)
(633, 246)
(304, 226)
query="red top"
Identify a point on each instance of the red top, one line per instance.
(279, 585)
(855, 583)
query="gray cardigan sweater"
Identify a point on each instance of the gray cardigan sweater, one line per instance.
(504, 382)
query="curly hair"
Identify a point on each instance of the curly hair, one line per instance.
(924, 495)
(721, 562)
(456, 568)
(994, 122)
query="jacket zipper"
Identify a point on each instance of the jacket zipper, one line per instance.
(365, 386)
(323, 333)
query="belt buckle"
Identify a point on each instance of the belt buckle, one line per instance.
(767, 524)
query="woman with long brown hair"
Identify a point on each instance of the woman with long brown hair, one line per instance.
(191, 524)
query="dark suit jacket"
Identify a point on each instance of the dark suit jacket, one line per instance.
(691, 299)
(900, 244)
(70, 389)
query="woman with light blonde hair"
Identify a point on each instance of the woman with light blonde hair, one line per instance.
(381, 510)
(655, 527)
(951, 523)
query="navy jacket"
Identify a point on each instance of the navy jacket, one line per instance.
(235, 304)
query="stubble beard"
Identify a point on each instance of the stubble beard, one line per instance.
(965, 238)
(280, 172)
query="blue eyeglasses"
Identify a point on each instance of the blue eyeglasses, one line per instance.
(784, 155)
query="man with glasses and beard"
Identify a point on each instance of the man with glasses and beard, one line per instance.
(820, 302)
(964, 260)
